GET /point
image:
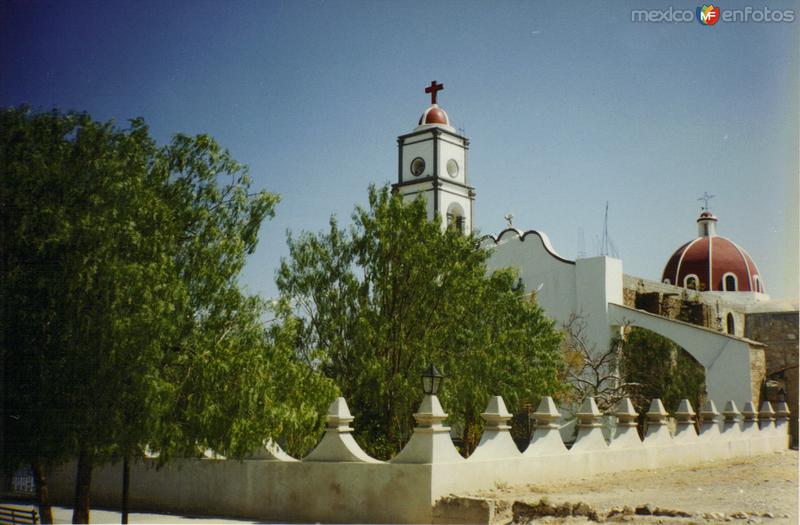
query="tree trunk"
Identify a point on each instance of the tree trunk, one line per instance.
(42, 495)
(126, 487)
(466, 436)
(83, 484)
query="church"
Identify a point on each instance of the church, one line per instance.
(747, 342)
(338, 482)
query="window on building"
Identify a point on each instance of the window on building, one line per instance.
(691, 282)
(731, 326)
(758, 284)
(729, 282)
(666, 281)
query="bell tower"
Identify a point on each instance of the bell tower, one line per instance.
(433, 163)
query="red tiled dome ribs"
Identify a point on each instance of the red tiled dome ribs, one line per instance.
(712, 263)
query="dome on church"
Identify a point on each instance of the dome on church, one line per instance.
(434, 115)
(712, 263)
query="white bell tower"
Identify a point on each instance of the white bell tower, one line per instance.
(433, 163)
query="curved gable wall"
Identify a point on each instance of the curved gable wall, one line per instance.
(538, 264)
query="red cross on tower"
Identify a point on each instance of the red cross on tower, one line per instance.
(433, 89)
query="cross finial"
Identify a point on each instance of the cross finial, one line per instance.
(432, 89)
(705, 198)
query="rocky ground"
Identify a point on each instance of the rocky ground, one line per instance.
(762, 489)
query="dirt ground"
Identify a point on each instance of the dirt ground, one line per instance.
(762, 489)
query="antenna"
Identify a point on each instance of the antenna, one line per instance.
(604, 240)
(607, 246)
(581, 245)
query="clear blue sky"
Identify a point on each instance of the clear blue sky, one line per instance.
(567, 105)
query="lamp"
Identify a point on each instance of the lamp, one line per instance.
(431, 380)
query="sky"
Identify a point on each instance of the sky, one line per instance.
(567, 105)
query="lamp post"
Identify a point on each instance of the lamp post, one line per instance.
(431, 380)
(430, 442)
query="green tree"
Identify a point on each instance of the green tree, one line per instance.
(655, 367)
(123, 322)
(74, 326)
(377, 302)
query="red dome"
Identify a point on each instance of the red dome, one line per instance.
(717, 263)
(434, 115)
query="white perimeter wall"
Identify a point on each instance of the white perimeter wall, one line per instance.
(377, 492)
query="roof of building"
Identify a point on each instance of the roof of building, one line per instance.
(434, 115)
(714, 262)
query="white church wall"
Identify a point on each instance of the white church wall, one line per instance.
(563, 288)
(542, 271)
(599, 282)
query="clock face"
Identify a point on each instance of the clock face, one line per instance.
(452, 168)
(417, 166)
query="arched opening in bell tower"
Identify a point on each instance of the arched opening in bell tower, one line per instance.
(455, 217)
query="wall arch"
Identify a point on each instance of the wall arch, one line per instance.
(660, 368)
(727, 359)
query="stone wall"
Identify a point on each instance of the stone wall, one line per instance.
(708, 309)
(670, 304)
(779, 331)
(758, 369)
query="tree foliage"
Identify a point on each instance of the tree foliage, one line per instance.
(377, 302)
(123, 322)
(658, 368)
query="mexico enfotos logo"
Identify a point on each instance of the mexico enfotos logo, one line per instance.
(710, 14)
(707, 15)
